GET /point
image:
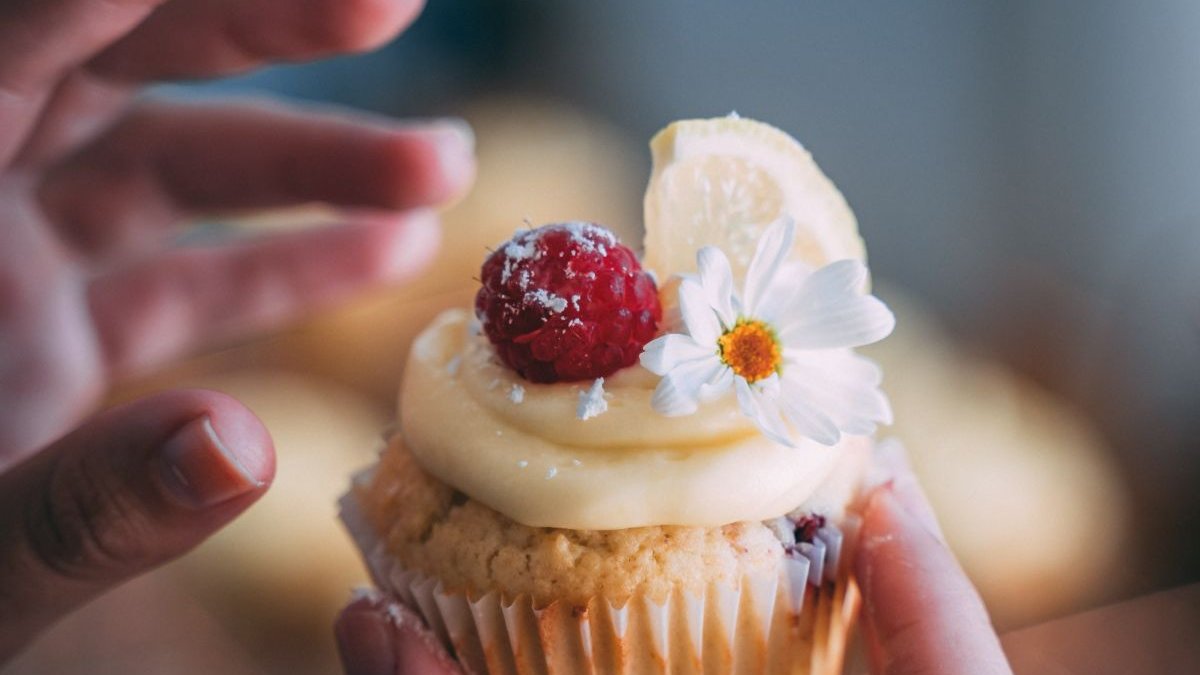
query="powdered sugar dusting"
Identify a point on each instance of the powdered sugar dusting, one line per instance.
(551, 472)
(524, 245)
(547, 299)
(541, 314)
(591, 401)
(396, 615)
(367, 593)
(590, 237)
(516, 394)
(520, 248)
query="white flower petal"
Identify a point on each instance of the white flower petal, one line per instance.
(764, 410)
(665, 352)
(774, 305)
(840, 384)
(830, 312)
(839, 278)
(768, 385)
(699, 317)
(670, 400)
(678, 393)
(745, 401)
(774, 246)
(809, 421)
(716, 277)
(853, 324)
(718, 386)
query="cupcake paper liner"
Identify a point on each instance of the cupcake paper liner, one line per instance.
(793, 622)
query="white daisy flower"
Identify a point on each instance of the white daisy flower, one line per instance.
(784, 345)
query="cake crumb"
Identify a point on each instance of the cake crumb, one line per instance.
(367, 593)
(591, 401)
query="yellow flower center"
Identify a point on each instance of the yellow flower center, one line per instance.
(751, 350)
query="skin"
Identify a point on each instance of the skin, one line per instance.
(921, 615)
(94, 188)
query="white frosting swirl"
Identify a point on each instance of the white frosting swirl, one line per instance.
(529, 457)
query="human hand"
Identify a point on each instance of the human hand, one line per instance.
(93, 187)
(921, 614)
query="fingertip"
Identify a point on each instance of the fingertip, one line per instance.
(877, 529)
(224, 452)
(455, 141)
(409, 244)
(891, 454)
(428, 163)
(377, 635)
(892, 462)
(915, 594)
(364, 639)
(241, 433)
(366, 25)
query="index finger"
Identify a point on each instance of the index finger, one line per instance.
(922, 615)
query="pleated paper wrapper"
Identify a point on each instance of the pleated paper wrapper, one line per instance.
(796, 622)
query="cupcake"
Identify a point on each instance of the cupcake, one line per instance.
(594, 472)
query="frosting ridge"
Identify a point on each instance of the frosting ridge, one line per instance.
(531, 458)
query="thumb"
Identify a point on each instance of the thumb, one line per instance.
(921, 613)
(131, 489)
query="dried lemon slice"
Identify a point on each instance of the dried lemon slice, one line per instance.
(721, 181)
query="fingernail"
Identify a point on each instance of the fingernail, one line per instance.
(365, 641)
(201, 470)
(461, 129)
(892, 458)
(413, 246)
(880, 473)
(455, 141)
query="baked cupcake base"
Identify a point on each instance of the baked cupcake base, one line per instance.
(790, 614)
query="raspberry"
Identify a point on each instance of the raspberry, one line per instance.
(567, 302)
(807, 526)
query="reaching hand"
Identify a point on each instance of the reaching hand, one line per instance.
(93, 186)
(921, 614)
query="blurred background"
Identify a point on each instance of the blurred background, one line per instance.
(1025, 176)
